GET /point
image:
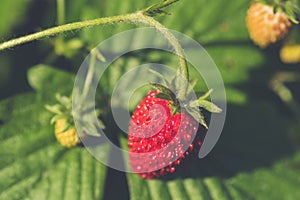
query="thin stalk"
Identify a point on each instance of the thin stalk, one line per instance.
(89, 76)
(137, 17)
(60, 12)
(183, 68)
(277, 84)
(68, 27)
(60, 15)
(172, 40)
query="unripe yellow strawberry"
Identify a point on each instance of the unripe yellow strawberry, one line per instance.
(65, 135)
(290, 53)
(266, 27)
(65, 131)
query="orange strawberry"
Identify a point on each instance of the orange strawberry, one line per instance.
(265, 26)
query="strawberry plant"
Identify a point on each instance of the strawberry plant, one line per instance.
(42, 48)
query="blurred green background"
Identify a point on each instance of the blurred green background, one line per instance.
(257, 156)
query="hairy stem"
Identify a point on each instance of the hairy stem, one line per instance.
(137, 17)
(67, 27)
(183, 73)
(172, 40)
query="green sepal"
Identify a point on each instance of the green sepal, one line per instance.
(63, 110)
(291, 10)
(56, 118)
(198, 116)
(192, 85)
(158, 12)
(156, 9)
(65, 101)
(101, 124)
(289, 7)
(206, 95)
(166, 93)
(164, 96)
(207, 105)
(57, 109)
(164, 90)
(67, 126)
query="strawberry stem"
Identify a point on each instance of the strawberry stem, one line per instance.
(60, 11)
(182, 73)
(143, 17)
(133, 17)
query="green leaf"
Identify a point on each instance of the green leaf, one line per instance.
(207, 105)
(250, 140)
(254, 158)
(33, 165)
(284, 176)
(164, 90)
(44, 78)
(197, 115)
(252, 172)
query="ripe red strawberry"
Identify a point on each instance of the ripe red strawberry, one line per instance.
(159, 141)
(265, 26)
